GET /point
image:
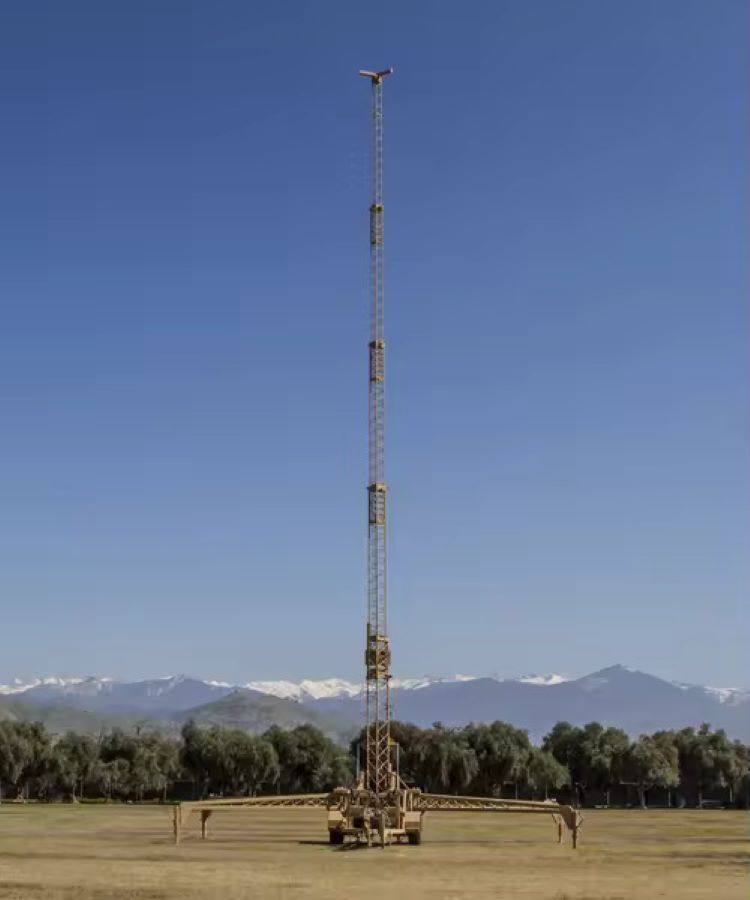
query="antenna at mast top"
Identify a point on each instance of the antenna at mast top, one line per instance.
(376, 77)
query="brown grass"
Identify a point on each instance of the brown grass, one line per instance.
(126, 853)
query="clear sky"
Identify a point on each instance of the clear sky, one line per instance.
(183, 289)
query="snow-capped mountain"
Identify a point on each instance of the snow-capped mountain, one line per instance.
(730, 696)
(542, 679)
(618, 695)
(156, 696)
(168, 688)
(304, 691)
(337, 688)
(733, 696)
(19, 686)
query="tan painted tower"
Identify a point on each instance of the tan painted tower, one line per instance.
(377, 769)
(379, 807)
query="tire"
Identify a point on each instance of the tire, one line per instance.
(335, 837)
(415, 838)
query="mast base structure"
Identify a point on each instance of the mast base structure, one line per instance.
(397, 816)
(357, 816)
(380, 809)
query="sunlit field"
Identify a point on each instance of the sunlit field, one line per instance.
(66, 852)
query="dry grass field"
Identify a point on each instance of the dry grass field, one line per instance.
(125, 853)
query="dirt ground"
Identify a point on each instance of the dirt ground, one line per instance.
(126, 853)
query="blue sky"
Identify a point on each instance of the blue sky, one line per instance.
(184, 325)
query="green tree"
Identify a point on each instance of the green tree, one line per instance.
(447, 762)
(198, 757)
(246, 762)
(734, 764)
(133, 766)
(706, 761)
(565, 742)
(14, 755)
(545, 772)
(309, 762)
(743, 788)
(76, 756)
(652, 762)
(502, 752)
(25, 757)
(594, 755)
(603, 754)
(112, 779)
(169, 764)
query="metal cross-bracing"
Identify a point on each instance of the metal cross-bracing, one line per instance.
(561, 813)
(378, 775)
(183, 811)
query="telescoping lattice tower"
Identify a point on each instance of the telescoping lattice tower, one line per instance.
(380, 807)
(377, 769)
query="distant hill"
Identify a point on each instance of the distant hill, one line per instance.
(257, 712)
(58, 719)
(244, 709)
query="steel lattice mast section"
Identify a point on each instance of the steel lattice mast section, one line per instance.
(377, 771)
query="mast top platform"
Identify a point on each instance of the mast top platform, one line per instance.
(377, 77)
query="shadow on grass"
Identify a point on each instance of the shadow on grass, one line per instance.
(350, 845)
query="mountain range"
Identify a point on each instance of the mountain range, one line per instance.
(618, 695)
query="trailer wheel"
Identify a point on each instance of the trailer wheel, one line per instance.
(335, 837)
(415, 838)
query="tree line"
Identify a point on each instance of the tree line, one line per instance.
(587, 765)
(139, 766)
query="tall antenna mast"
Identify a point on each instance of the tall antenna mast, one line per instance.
(380, 807)
(378, 775)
